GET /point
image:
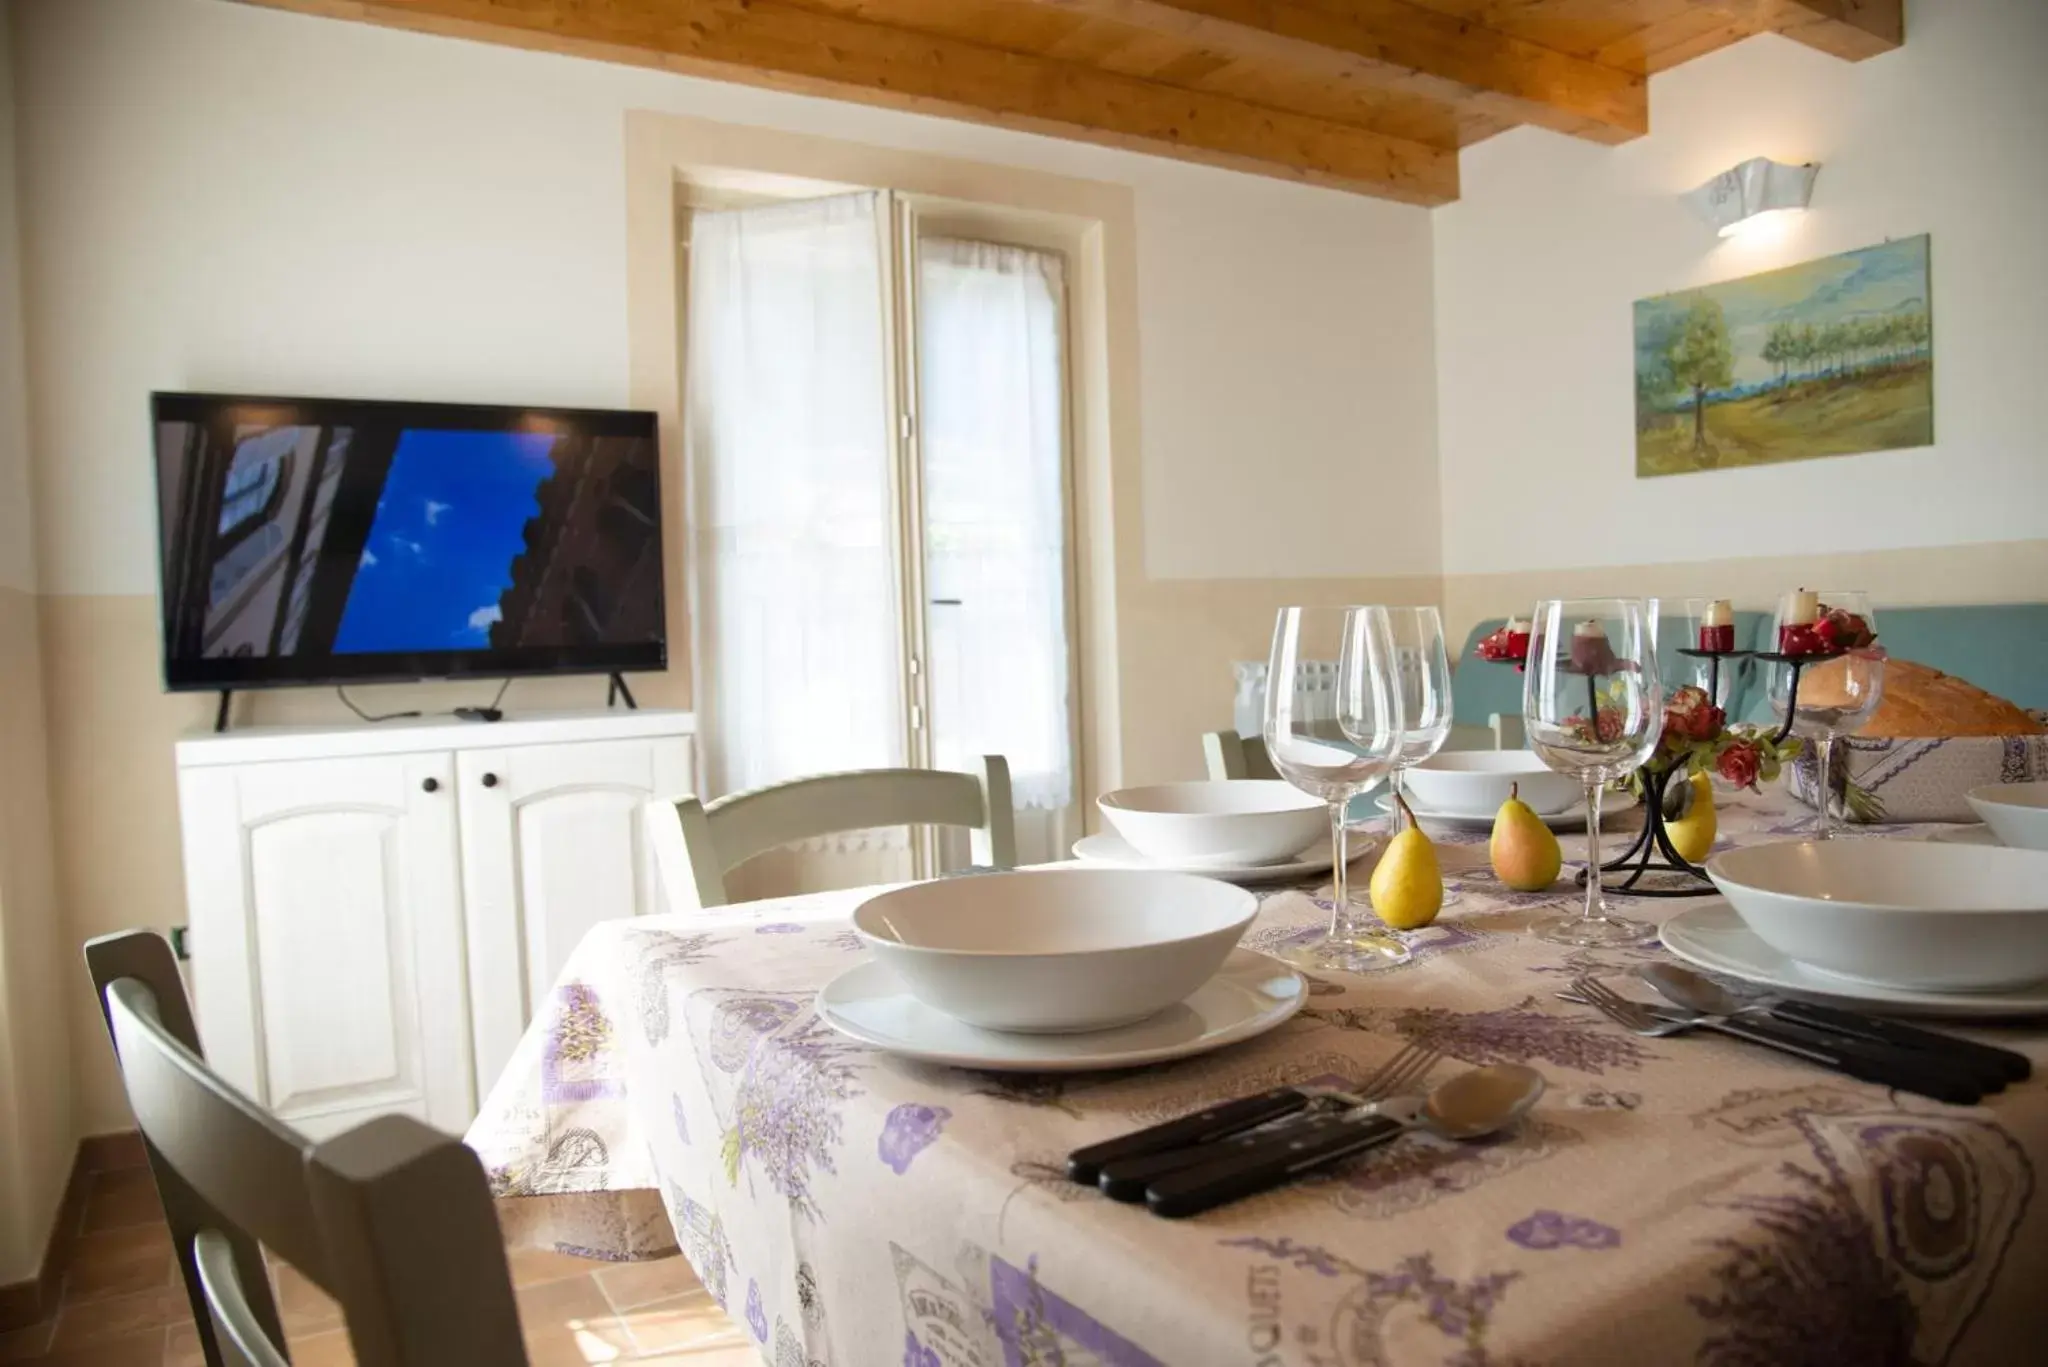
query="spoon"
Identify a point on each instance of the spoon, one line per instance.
(1697, 992)
(1472, 1105)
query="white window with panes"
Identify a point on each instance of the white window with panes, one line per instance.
(878, 415)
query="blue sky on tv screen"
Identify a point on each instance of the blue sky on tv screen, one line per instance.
(448, 524)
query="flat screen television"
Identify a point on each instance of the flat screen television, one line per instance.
(326, 541)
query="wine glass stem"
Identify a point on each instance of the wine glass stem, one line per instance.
(1824, 827)
(1340, 891)
(1595, 908)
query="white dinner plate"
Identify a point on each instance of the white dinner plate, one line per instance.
(1112, 851)
(1249, 996)
(1573, 818)
(1712, 936)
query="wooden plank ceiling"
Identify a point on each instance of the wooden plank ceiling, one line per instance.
(1371, 96)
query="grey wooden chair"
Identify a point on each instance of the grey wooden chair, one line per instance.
(696, 843)
(1232, 754)
(392, 1219)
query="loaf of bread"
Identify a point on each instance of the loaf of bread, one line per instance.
(1919, 701)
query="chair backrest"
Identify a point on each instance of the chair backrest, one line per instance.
(1232, 754)
(392, 1219)
(695, 843)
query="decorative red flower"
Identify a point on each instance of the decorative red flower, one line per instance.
(1504, 646)
(1740, 764)
(1605, 729)
(1689, 714)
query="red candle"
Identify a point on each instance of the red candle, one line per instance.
(1717, 627)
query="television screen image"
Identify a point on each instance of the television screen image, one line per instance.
(321, 541)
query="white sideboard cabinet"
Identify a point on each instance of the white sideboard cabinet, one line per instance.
(377, 911)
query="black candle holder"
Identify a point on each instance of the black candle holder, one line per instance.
(1797, 663)
(1651, 851)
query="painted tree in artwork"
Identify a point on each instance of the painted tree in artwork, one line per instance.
(1701, 359)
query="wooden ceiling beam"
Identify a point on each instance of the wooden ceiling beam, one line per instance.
(1851, 29)
(1393, 45)
(784, 47)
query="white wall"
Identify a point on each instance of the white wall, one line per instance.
(17, 539)
(36, 1131)
(227, 197)
(1290, 387)
(1538, 263)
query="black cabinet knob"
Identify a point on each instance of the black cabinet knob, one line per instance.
(430, 785)
(490, 780)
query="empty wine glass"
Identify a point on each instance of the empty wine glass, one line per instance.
(1592, 705)
(1423, 671)
(1334, 744)
(1424, 674)
(1837, 691)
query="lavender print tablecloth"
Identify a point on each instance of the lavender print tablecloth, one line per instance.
(1686, 1200)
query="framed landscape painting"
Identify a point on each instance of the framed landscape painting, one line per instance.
(1826, 358)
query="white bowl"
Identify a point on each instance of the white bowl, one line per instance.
(1476, 782)
(1225, 822)
(1054, 951)
(1896, 913)
(2017, 813)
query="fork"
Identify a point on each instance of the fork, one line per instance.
(1124, 1175)
(1883, 1065)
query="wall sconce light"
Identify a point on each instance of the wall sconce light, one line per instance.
(1740, 195)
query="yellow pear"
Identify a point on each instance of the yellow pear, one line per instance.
(1523, 850)
(1407, 885)
(1692, 835)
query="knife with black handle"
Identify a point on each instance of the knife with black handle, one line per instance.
(2003, 1064)
(1296, 1151)
(1203, 1127)
(1126, 1179)
(1886, 1065)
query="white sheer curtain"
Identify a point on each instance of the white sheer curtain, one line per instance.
(797, 654)
(993, 442)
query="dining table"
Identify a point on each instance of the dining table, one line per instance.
(1681, 1200)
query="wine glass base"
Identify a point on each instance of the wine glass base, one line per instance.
(1594, 932)
(1363, 954)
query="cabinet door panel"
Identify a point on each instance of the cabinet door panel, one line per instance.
(551, 846)
(327, 925)
(336, 973)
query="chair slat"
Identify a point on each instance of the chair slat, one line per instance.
(696, 843)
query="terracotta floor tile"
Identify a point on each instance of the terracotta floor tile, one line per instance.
(112, 1152)
(692, 1321)
(532, 1266)
(322, 1350)
(115, 1317)
(18, 1345)
(570, 1323)
(303, 1307)
(119, 1262)
(181, 1347)
(121, 1199)
(627, 1285)
(129, 1350)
